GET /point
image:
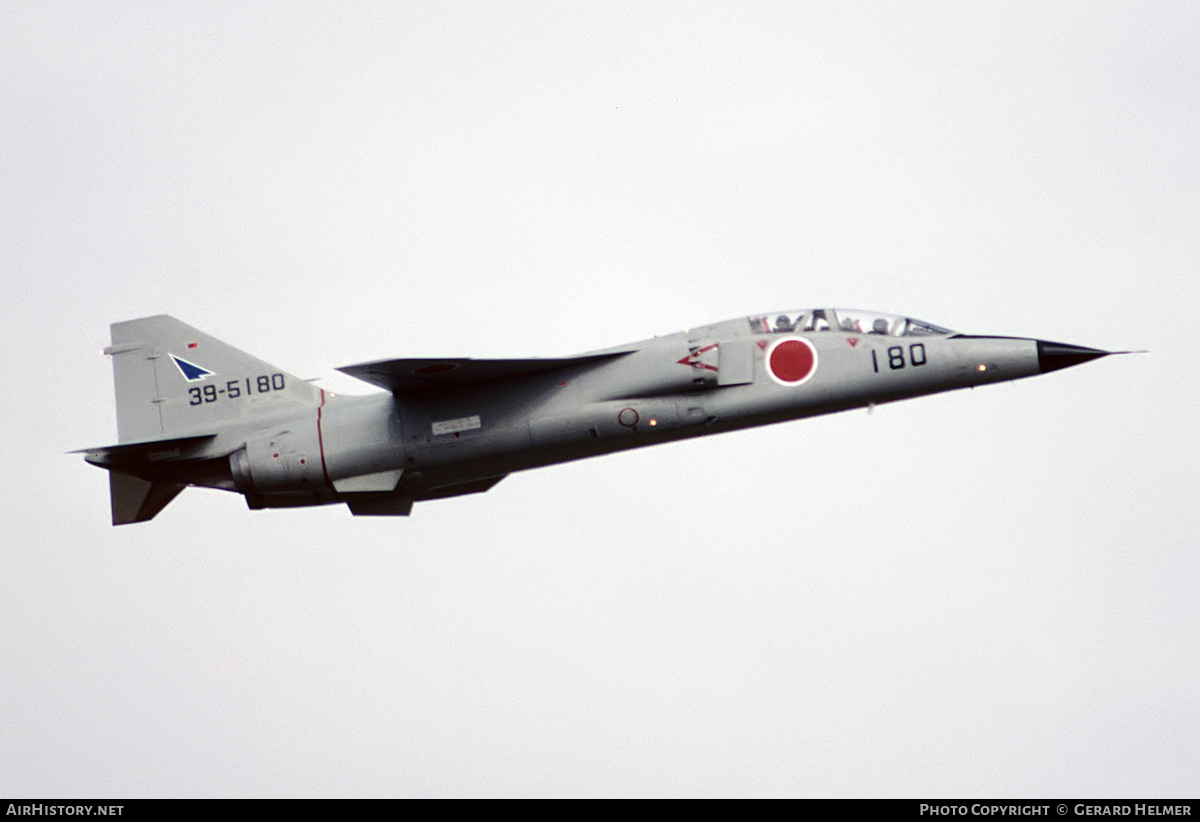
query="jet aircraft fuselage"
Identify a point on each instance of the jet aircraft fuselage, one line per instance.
(194, 411)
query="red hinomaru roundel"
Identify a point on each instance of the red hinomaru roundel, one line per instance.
(791, 361)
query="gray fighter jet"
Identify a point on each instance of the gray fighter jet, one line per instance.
(192, 410)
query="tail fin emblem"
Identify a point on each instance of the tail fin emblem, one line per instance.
(190, 371)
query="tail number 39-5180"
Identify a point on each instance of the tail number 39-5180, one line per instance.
(233, 389)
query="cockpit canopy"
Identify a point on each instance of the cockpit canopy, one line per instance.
(849, 320)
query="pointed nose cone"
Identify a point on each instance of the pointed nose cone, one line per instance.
(1053, 356)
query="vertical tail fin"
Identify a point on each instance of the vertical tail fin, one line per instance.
(171, 378)
(177, 389)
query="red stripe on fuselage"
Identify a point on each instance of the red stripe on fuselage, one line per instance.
(321, 440)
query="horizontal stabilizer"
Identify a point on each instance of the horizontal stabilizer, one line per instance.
(418, 375)
(137, 500)
(133, 454)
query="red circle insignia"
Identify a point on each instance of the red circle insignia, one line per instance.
(791, 361)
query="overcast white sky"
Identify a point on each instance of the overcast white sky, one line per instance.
(988, 593)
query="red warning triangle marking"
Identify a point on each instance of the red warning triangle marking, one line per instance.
(693, 359)
(853, 341)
